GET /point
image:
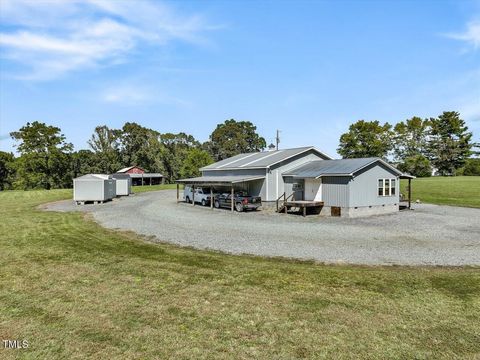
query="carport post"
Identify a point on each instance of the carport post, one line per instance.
(232, 198)
(193, 195)
(409, 193)
(178, 192)
(211, 198)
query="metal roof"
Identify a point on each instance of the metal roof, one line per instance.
(339, 167)
(146, 175)
(93, 177)
(124, 170)
(263, 159)
(220, 180)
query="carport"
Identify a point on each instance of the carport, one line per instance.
(224, 181)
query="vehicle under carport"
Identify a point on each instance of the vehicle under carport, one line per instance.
(230, 183)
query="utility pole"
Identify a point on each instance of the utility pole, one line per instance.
(277, 139)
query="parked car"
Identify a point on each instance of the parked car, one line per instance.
(202, 195)
(242, 201)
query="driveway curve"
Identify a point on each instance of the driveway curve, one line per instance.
(428, 235)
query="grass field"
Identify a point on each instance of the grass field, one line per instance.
(452, 190)
(139, 189)
(74, 289)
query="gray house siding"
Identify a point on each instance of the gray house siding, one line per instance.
(336, 191)
(364, 187)
(276, 182)
(273, 186)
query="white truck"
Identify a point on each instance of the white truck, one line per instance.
(202, 195)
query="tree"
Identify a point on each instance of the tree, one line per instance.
(44, 160)
(471, 168)
(234, 137)
(174, 152)
(449, 142)
(417, 165)
(136, 146)
(410, 138)
(195, 159)
(7, 170)
(366, 139)
(105, 142)
(84, 162)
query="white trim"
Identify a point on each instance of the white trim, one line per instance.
(389, 187)
(383, 162)
(276, 172)
(266, 184)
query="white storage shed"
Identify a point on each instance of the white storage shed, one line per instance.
(93, 187)
(123, 184)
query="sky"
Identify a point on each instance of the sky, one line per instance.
(307, 68)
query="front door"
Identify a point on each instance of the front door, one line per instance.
(313, 189)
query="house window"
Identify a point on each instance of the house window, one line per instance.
(380, 187)
(387, 187)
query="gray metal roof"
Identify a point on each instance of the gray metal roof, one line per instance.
(263, 159)
(220, 180)
(339, 167)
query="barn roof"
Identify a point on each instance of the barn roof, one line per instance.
(124, 170)
(263, 159)
(339, 167)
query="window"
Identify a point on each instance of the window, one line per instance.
(380, 187)
(387, 187)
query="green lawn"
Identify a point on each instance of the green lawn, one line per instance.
(74, 290)
(139, 189)
(452, 190)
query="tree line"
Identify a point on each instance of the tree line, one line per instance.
(417, 146)
(46, 160)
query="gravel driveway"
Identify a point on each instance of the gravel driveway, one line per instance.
(429, 235)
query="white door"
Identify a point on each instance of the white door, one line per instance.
(313, 189)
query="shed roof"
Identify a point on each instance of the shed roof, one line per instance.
(219, 180)
(263, 159)
(93, 177)
(338, 167)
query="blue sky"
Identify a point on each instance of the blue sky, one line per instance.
(308, 68)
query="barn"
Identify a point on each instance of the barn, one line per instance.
(140, 177)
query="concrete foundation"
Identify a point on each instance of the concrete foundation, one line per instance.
(346, 212)
(370, 210)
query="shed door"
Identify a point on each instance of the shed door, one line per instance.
(313, 189)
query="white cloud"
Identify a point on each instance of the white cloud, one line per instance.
(52, 38)
(134, 94)
(471, 35)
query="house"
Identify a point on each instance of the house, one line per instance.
(305, 176)
(140, 177)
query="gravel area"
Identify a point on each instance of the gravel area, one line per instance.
(428, 235)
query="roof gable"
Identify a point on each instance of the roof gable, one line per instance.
(263, 159)
(338, 167)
